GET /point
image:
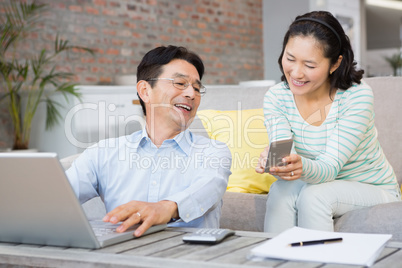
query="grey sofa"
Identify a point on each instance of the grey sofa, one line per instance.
(245, 211)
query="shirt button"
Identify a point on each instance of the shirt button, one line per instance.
(154, 183)
(202, 209)
(188, 216)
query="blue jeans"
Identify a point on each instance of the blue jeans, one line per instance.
(314, 206)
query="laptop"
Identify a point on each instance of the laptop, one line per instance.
(39, 206)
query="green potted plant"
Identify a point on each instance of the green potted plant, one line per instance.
(396, 63)
(25, 83)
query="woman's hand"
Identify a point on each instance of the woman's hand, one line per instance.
(291, 171)
(262, 161)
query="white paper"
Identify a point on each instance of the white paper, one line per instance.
(358, 249)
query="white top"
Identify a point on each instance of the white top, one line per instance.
(343, 147)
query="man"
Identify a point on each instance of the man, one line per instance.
(163, 173)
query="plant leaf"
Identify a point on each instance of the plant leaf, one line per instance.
(19, 19)
(52, 112)
(62, 45)
(69, 89)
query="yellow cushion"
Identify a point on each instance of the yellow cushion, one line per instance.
(245, 134)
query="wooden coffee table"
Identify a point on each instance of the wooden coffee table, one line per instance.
(166, 249)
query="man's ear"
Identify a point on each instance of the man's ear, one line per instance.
(143, 90)
(336, 65)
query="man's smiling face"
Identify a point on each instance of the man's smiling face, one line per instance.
(170, 105)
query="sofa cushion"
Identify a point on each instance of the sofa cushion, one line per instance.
(244, 133)
(245, 212)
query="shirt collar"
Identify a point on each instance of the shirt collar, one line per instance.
(184, 140)
(138, 139)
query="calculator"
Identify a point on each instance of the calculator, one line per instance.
(208, 236)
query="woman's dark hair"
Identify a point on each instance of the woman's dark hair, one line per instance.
(152, 63)
(327, 30)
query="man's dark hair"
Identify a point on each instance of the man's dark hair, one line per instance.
(152, 63)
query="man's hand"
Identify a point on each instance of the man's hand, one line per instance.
(146, 213)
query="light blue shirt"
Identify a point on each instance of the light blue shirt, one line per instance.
(190, 170)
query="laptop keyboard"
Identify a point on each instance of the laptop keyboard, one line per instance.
(99, 231)
(101, 228)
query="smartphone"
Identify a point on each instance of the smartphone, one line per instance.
(277, 151)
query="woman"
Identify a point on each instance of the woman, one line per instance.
(336, 164)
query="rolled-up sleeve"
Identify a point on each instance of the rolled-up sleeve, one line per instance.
(208, 184)
(82, 176)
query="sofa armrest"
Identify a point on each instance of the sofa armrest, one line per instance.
(94, 209)
(243, 211)
(379, 219)
(67, 161)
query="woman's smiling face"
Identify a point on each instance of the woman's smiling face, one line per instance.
(305, 67)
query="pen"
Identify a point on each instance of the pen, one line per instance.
(316, 242)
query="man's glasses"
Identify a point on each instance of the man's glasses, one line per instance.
(182, 84)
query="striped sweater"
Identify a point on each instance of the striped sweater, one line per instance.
(343, 147)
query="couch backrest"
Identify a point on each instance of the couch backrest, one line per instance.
(387, 101)
(229, 97)
(233, 97)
